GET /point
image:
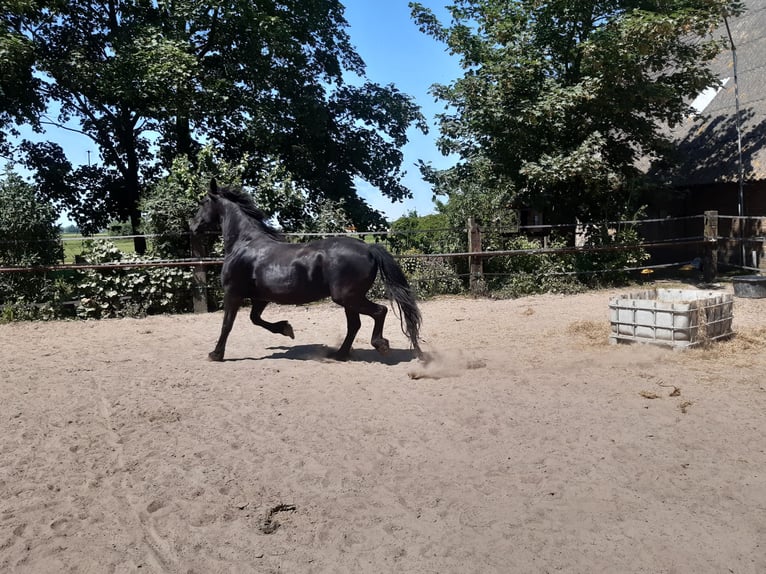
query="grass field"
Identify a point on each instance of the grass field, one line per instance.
(74, 244)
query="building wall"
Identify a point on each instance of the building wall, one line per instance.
(724, 198)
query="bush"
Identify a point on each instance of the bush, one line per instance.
(22, 310)
(412, 234)
(610, 267)
(427, 278)
(174, 200)
(129, 292)
(29, 236)
(168, 208)
(529, 274)
(423, 234)
(430, 277)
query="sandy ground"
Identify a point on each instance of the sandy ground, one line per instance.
(528, 445)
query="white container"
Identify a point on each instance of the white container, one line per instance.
(673, 317)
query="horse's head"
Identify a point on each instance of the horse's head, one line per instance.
(209, 212)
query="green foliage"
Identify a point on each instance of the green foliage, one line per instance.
(262, 81)
(427, 277)
(412, 234)
(296, 209)
(330, 218)
(425, 234)
(430, 276)
(50, 302)
(173, 201)
(610, 267)
(22, 310)
(527, 274)
(20, 100)
(560, 98)
(133, 292)
(119, 228)
(29, 236)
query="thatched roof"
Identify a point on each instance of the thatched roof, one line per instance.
(708, 142)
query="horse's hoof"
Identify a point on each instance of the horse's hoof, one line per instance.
(287, 331)
(216, 357)
(382, 346)
(338, 356)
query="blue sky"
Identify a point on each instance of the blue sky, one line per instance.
(395, 52)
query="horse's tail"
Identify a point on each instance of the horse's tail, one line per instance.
(398, 291)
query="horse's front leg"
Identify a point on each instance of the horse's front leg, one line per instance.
(231, 305)
(280, 327)
(353, 324)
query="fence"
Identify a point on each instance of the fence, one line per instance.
(705, 241)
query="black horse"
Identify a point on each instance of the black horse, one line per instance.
(259, 265)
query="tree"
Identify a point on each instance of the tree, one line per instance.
(29, 235)
(175, 198)
(20, 101)
(561, 98)
(152, 81)
(425, 234)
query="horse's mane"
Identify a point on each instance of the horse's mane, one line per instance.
(246, 204)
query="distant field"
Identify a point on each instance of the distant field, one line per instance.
(74, 244)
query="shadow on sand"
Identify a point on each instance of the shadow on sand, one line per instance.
(323, 353)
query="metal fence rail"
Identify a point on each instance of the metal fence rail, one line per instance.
(655, 244)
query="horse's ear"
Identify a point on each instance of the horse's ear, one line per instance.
(213, 187)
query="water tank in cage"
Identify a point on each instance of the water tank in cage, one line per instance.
(672, 317)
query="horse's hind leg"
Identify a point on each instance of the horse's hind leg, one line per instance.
(280, 327)
(231, 305)
(378, 314)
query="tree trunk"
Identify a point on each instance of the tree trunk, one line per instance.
(134, 195)
(183, 138)
(139, 241)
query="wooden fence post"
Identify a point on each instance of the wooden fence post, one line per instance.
(710, 260)
(200, 276)
(475, 263)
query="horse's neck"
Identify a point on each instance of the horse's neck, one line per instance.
(235, 225)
